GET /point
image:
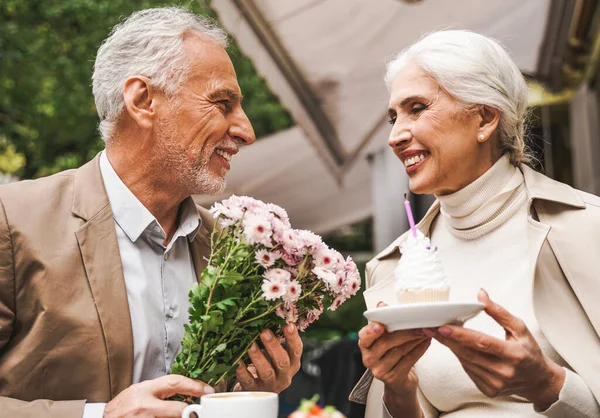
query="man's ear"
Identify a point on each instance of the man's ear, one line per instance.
(138, 95)
(489, 120)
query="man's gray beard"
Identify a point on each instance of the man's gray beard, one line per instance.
(197, 178)
(205, 183)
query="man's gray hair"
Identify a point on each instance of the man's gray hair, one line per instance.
(475, 70)
(147, 43)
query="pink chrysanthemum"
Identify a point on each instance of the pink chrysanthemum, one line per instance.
(278, 275)
(310, 239)
(266, 258)
(257, 230)
(272, 290)
(328, 277)
(336, 303)
(289, 259)
(293, 291)
(326, 259)
(280, 213)
(289, 241)
(352, 286)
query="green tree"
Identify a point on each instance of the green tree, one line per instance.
(48, 120)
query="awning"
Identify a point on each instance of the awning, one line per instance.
(325, 60)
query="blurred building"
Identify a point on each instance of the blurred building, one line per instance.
(325, 60)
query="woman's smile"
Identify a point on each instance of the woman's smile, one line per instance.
(413, 159)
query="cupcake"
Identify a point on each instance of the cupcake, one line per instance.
(310, 409)
(419, 276)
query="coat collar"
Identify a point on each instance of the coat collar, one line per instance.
(539, 187)
(99, 249)
(89, 194)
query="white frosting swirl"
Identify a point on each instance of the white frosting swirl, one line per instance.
(420, 266)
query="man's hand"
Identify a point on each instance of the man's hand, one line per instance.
(272, 374)
(515, 366)
(147, 399)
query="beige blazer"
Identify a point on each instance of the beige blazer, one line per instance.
(65, 329)
(564, 230)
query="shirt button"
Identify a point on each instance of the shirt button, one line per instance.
(165, 256)
(171, 312)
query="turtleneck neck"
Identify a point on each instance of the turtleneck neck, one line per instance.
(486, 203)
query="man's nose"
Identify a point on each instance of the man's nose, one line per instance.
(241, 129)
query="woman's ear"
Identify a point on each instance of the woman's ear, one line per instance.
(138, 95)
(489, 120)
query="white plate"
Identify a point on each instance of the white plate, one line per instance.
(423, 315)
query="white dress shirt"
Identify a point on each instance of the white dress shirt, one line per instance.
(158, 278)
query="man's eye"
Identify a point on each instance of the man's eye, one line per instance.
(391, 121)
(224, 103)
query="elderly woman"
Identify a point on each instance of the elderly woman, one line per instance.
(458, 109)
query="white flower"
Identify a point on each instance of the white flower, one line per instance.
(336, 303)
(338, 260)
(288, 312)
(272, 290)
(280, 311)
(288, 258)
(326, 259)
(266, 258)
(289, 241)
(257, 230)
(278, 227)
(328, 277)
(228, 210)
(352, 286)
(340, 279)
(280, 213)
(293, 291)
(291, 315)
(278, 275)
(310, 239)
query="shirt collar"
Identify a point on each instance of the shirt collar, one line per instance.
(134, 218)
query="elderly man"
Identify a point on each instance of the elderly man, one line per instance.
(96, 263)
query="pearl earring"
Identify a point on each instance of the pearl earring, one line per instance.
(481, 137)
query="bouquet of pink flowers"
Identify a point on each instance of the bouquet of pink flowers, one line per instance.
(262, 274)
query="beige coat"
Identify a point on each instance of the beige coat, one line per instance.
(65, 329)
(564, 231)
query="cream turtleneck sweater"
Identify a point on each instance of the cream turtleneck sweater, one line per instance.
(481, 234)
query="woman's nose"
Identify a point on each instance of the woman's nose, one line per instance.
(399, 137)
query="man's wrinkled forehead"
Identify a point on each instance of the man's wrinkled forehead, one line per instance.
(207, 58)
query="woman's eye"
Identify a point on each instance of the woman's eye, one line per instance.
(417, 108)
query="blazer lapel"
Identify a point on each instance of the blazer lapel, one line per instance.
(97, 240)
(200, 245)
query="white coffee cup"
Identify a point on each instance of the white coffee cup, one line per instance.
(235, 405)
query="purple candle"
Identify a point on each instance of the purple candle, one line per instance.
(411, 220)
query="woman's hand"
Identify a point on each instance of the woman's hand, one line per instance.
(515, 366)
(391, 357)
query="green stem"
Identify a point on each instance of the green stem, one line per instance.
(271, 310)
(217, 277)
(236, 361)
(309, 293)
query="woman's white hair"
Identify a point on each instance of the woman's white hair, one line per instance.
(147, 43)
(475, 70)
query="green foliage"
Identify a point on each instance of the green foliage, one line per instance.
(47, 48)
